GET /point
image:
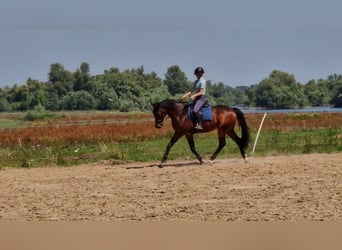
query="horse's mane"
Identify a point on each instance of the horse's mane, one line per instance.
(170, 104)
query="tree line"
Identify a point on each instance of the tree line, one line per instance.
(136, 90)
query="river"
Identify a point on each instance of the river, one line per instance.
(301, 110)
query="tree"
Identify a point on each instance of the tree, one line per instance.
(134, 89)
(82, 78)
(334, 86)
(218, 93)
(316, 93)
(239, 97)
(336, 99)
(58, 73)
(61, 79)
(81, 81)
(176, 80)
(264, 94)
(4, 104)
(19, 98)
(85, 69)
(105, 97)
(280, 90)
(158, 95)
(53, 101)
(36, 93)
(79, 100)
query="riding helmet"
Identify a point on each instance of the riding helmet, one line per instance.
(199, 70)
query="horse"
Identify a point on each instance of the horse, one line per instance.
(223, 119)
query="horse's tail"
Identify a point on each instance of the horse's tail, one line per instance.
(244, 128)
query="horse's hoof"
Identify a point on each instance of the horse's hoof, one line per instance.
(211, 161)
(246, 160)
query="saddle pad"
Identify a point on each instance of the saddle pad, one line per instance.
(207, 114)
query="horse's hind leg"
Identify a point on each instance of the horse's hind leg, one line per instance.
(173, 140)
(222, 143)
(237, 140)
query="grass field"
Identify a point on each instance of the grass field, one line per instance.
(69, 138)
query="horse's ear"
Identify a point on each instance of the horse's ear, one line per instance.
(152, 103)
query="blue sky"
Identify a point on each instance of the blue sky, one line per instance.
(237, 42)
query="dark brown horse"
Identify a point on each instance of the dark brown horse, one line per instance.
(224, 120)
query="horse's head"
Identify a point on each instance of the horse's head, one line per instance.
(167, 107)
(159, 114)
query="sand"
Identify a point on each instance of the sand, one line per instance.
(272, 188)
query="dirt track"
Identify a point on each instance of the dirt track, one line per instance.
(294, 188)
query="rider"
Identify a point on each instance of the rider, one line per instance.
(197, 95)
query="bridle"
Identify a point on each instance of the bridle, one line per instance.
(160, 120)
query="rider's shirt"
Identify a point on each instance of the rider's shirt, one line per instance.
(200, 84)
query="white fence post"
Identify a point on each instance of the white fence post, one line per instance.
(257, 136)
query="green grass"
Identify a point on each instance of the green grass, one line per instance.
(270, 142)
(302, 141)
(6, 123)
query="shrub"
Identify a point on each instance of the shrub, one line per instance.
(38, 113)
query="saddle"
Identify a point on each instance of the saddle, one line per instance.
(205, 111)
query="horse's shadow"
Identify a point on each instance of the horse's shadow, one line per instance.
(168, 165)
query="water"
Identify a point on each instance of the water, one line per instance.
(302, 110)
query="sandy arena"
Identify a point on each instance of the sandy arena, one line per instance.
(273, 188)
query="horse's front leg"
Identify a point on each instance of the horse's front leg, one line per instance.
(191, 142)
(173, 140)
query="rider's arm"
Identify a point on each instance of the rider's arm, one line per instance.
(186, 94)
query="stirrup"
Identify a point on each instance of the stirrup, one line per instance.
(198, 126)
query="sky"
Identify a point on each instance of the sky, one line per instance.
(237, 42)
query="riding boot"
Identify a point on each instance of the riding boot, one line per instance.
(198, 120)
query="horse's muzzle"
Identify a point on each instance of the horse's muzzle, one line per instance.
(159, 124)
